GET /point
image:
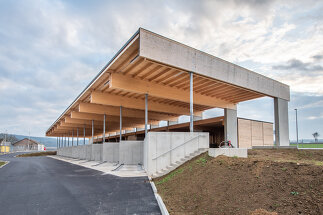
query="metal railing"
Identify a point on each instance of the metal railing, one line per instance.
(178, 146)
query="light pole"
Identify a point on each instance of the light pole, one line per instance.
(296, 127)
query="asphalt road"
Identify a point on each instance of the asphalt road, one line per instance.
(42, 185)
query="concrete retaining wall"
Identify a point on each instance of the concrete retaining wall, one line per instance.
(110, 152)
(126, 152)
(131, 152)
(230, 152)
(96, 153)
(163, 149)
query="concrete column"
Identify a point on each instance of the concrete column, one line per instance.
(146, 115)
(231, 126)
(120, 123)
(92, 130)
(281, 122)
(103, 137)
(191, 103)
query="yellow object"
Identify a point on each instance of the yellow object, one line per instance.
(4, 148)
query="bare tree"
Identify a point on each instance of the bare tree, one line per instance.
(8, 137)
(316, 135)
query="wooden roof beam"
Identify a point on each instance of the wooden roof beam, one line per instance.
(126, 83)
(114, 100)
(115, 111)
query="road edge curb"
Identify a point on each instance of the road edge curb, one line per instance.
(160, 202)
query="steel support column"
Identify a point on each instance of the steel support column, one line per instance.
(77, 136)
(103, 136)
(72, 137)
(84, 135)
(120, 123)
(92, 130)
(191, 102)
(146, 115)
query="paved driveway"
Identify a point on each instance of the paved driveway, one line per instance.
(42, 185)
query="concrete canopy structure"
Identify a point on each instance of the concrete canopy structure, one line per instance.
(153, 78)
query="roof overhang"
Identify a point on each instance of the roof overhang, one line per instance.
(151, 64)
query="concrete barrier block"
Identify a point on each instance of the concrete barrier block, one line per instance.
(229, 152)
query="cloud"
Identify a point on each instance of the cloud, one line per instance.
(318, 57)
(50, 50)
(295, 64)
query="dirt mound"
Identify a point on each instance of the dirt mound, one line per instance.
(225, 185)
(262, 212)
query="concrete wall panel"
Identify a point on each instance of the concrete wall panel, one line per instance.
(97, 152)
(257, 133)
(131, 152)
(268, 134)
(110, 152)
(164, 149)
(244, 133)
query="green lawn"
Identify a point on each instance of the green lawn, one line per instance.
(2, 163)
(313, 145)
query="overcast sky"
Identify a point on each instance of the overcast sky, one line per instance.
(50, 50)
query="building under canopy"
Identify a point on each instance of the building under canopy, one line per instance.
(153, 78)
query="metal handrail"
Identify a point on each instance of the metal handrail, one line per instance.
(178, 146)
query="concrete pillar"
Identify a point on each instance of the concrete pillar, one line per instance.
(231, 126)
(281, 122)
(191, 103)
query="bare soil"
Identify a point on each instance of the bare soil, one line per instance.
(267, 182)
(37, 154)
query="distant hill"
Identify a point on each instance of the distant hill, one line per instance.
(47, 141)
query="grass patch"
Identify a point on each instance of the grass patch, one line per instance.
(37, 154)
(313, 145)
(170, 176)
(202, 161)
(2, 163)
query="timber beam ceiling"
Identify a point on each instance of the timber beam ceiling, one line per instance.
(135, 71)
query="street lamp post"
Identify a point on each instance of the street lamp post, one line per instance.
(296, 127)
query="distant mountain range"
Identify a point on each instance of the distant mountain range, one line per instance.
(47, 141)
(51, 141)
